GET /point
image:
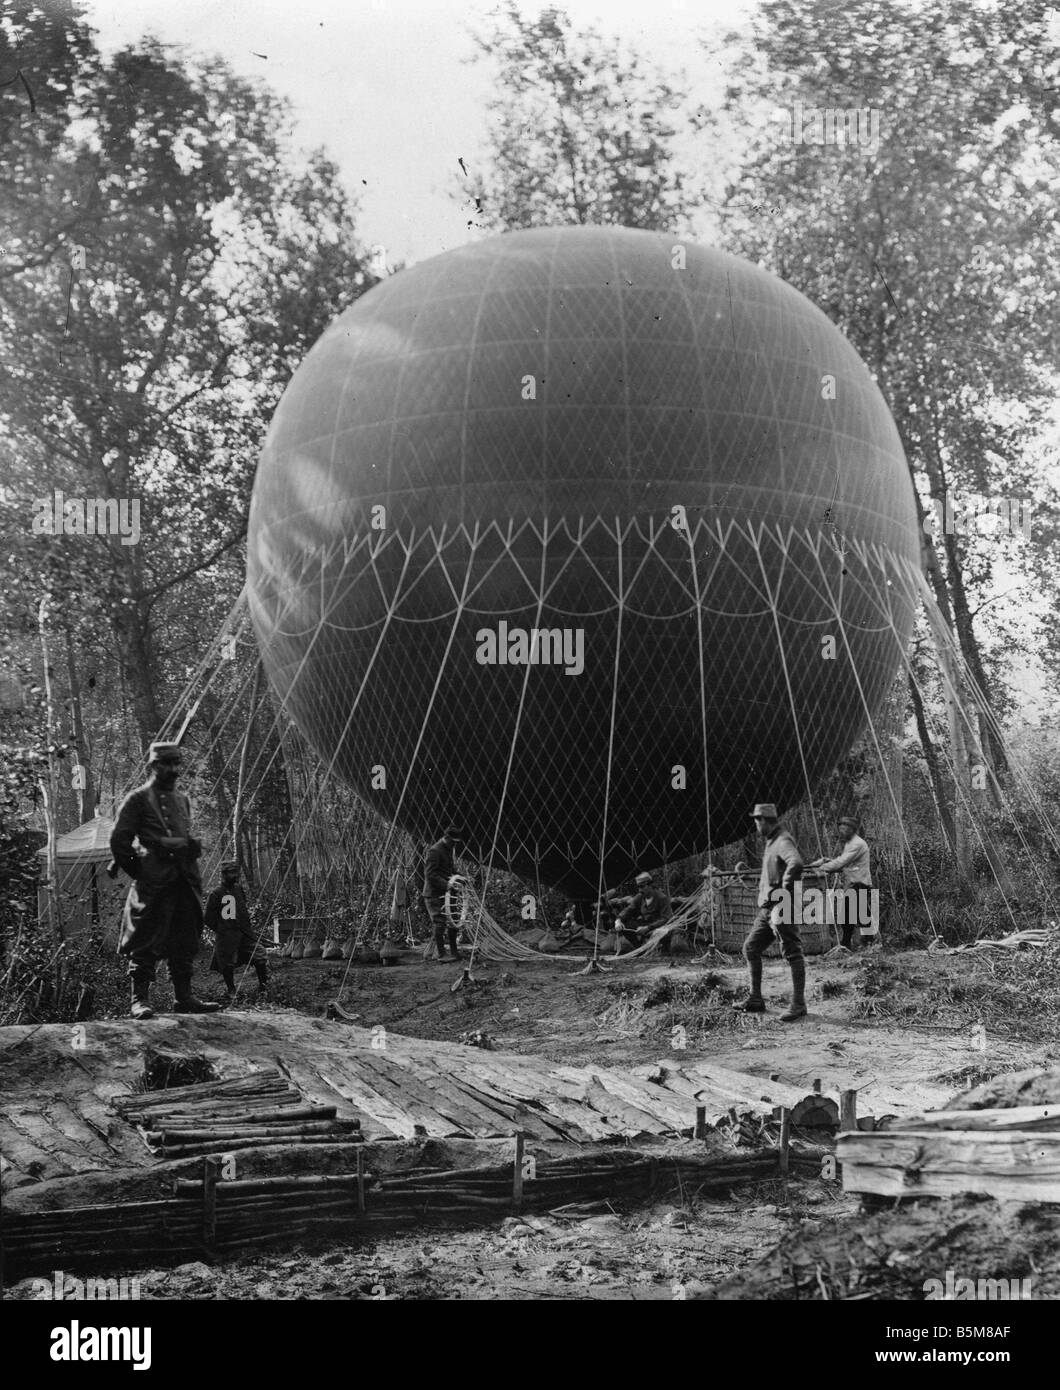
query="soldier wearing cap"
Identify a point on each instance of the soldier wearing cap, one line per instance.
(782, 865)
(438, 877)
(162, 920)
(852, 864)
(647, 909)
(235, 941)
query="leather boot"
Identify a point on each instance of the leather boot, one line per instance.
(797, 1007)
(186, 1001)
(754, 1003)
(453, 934)
(439, 943)
(141, 999)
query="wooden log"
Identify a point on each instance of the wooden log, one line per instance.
(309, 1182)
(848, 1110)
(1009, 1166)
(360, 1181)
(1030, 1117)
(170, 1137)
(211, 1171)
(517, 1171)
(785, 1139)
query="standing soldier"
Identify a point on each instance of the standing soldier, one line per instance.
(162, 919)
(852, 864)
(438, 874)
(235, 941)
(782, 865)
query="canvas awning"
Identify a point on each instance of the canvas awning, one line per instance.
(89, 842)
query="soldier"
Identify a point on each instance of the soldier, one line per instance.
(438, 876)
(235, 941)
(162, 919)
(852, 864)
(782, 865)
(648, 909)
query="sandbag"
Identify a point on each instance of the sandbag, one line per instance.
(349, 946)
(678, 944)
(332, 949)
(549, 943)
(297, 948)
(389, 953)
(532, 937)
(312, 950)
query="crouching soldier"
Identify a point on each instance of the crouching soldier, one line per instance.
(648, 909)
(782, 865)
(235, 941)
(162, 919)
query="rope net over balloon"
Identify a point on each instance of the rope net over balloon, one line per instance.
(754, 697)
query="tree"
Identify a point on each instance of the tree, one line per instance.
(168, 265)
(933, 249)
(579, 131)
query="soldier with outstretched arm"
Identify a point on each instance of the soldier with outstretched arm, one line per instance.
(162, 920)
(782, 865)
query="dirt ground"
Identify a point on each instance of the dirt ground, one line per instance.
(908, 1030)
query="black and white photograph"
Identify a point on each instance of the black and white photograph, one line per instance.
(529, 672)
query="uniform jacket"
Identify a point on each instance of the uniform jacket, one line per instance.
(437, 870)
(652, 905)
(235, 940)
(149, 814)
(781, 864)
(852, 862)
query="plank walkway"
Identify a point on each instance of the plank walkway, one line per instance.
(57, 1116)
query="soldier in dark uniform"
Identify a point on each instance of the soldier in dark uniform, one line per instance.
(235, 940)
(163, 912)
(438, 872)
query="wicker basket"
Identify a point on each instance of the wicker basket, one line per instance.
(735, 906)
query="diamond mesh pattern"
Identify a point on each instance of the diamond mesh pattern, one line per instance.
(654, 387)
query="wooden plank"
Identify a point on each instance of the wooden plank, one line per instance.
(493, 1115)
(1035, 1117)
(562, 1120)
(560, 1109)
(374, 1110)
(756, 1092)
(1012, 1166)
(669, 1111)
(377, 1076)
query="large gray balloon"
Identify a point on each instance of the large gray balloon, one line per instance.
(524, 414)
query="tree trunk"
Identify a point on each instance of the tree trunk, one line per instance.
(86, 795)
(934, 775)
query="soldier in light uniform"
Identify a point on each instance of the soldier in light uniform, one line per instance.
(782, 865)
(162, 919)
(852, 864)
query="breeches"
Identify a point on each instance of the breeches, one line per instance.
(176, 927)
(760, 938)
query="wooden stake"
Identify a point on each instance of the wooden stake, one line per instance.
(817, 1086)
(360, 1180)
(211, 1171)
(785, 1139)
(848, 1110)
(517, 1172)
(700, 1131)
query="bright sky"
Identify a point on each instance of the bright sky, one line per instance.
(383, 86)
